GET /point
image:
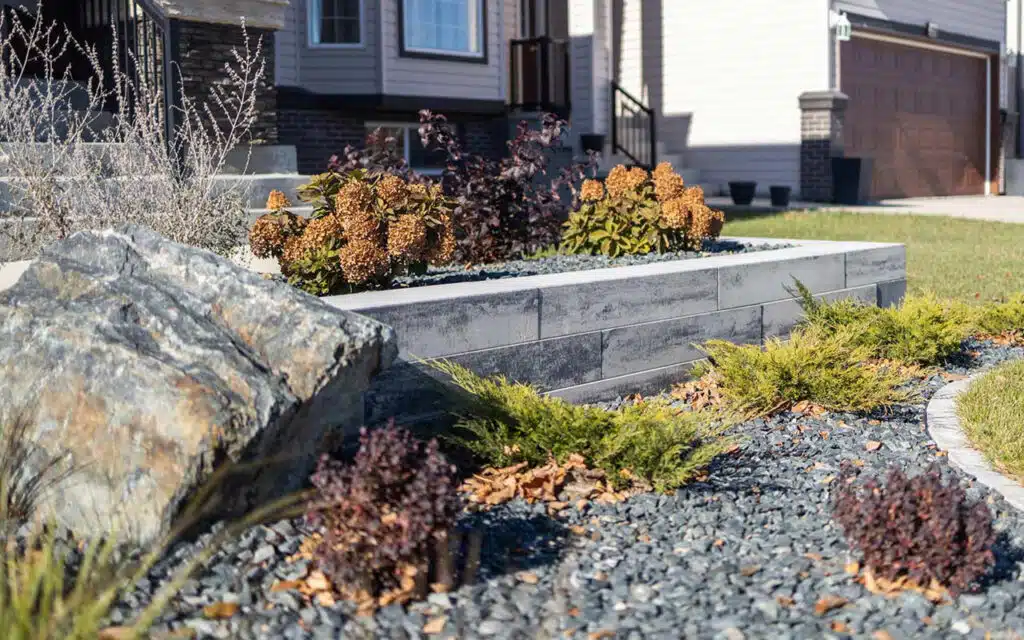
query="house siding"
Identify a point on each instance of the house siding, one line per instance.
(590, 35)
(404, 76)
(332, 70)
(731, 108)
(286, 48)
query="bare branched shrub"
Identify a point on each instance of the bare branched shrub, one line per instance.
(58, 183)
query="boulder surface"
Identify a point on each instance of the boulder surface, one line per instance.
(147, 365)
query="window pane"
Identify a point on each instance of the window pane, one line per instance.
(443, 25)
(398, 133)
(339, 21)
(420, 158)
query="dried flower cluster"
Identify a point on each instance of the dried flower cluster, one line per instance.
(363, 232)
(634, 213)
(916, 530)
(384, 515)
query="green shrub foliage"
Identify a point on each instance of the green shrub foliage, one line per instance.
(922, 331)
(919, 528)
(827, 368)
(506, 422)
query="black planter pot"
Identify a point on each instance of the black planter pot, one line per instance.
(742, 192)
(592, 142)
(780, 195)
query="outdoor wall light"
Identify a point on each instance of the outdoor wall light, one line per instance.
(841, 24)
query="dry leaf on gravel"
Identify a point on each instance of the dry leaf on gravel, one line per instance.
(808, 408)
(785, 601)
(839, 627)
(700, 394)
(881, 634)
(435, 626)
(527, 577)
(220, 610)
(872, 445)
(934, 592)
(540, 484)
(829, 603)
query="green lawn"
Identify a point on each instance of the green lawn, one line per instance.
(972, 260)
(992, 414)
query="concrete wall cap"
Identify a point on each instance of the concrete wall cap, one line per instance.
(258, 14)
(830, 100)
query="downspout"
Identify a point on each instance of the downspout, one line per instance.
(1020, 78)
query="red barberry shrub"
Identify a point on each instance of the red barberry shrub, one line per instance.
(505, 207)
(918, 528)
(384, 514)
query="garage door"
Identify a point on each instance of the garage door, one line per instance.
(919, 113)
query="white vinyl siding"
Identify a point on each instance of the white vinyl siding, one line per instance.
(733, 72)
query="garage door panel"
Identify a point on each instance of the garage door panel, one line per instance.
(919, 114)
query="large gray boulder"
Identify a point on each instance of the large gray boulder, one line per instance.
(150, 364)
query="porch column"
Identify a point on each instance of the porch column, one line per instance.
(821, 139)
(590, 26)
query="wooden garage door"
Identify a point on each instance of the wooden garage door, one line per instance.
(919, 113)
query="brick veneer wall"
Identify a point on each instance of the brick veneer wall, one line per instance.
(320, 133)
(203, 51)
(821, 139)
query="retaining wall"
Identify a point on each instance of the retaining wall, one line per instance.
(595, 335)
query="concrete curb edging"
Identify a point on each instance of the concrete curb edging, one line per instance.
(944, 427)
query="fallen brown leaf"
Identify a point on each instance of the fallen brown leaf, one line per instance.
(220, 610)
(881, 634)
(527, 577)
(317, 581)
(872, 445)
(286, 585)
(785, 601)
(852, 568)
(435, 626)
(829, 603)
(749, 570)
(603, 633)
(817, 557)
(839, 627)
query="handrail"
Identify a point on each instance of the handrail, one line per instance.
(633, 108)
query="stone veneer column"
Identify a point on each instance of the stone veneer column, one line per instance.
(204, 50)
(821, 139)
(207, 33)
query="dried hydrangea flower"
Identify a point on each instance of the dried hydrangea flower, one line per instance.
(591, 191)
(363, 261)
(322, 231)
(277, 200)
(393, 191)
(354, 195)
(676, 213)
(407, 238)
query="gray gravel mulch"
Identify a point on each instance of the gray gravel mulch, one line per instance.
(570, 263)
(745, 554)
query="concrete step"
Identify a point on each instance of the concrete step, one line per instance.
(257, 187)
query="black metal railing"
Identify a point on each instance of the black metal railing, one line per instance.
(539, 74)
(633, 132)
(142, 38)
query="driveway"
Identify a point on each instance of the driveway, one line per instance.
(994, 208)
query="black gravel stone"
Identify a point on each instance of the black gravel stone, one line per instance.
(745, 554)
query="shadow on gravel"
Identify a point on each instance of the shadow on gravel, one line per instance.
(516, 541)
(1007, 555)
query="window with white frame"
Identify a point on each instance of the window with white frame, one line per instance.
(445, 27)
(335, 22)
(408, 144)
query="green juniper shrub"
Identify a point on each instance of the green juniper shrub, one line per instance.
(385, 513)
(923, 330)
(825, 367)
(1000, 317)
(507, 422)
(918, 528)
